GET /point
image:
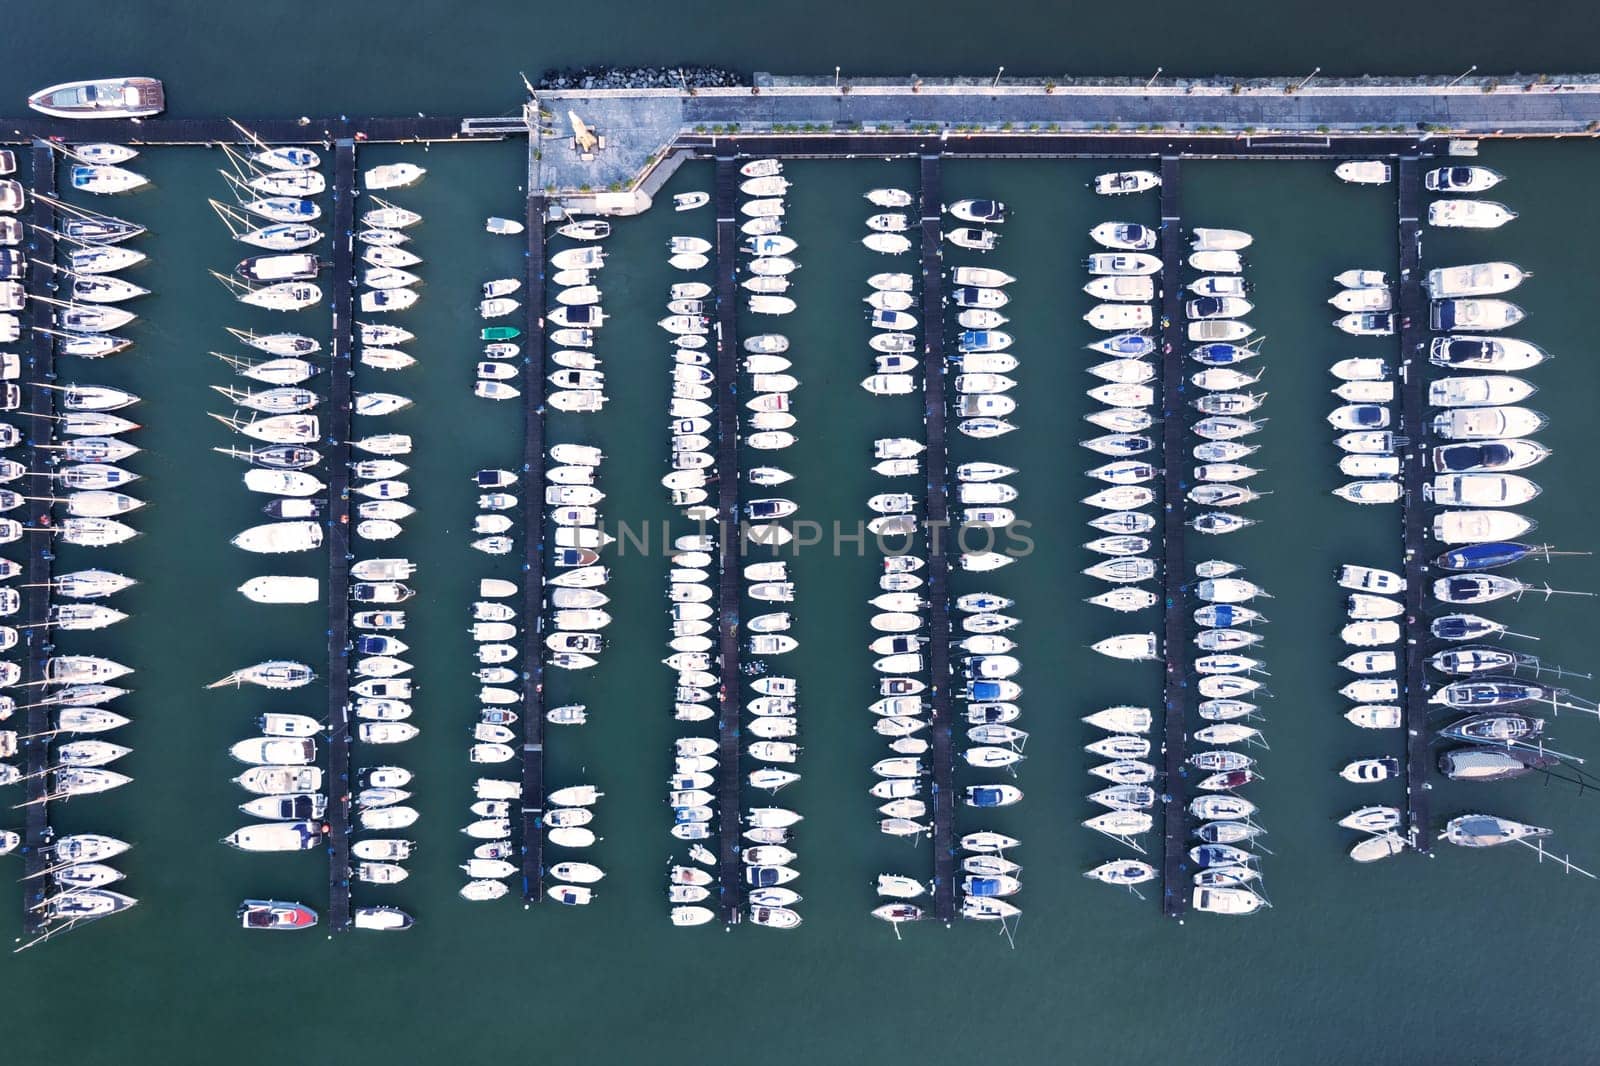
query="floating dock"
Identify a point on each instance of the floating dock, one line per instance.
(531, 826)
(1412, 325)
(341, 376)
(938, 529)
(39, 361)
(729, 810)
(1174, 722)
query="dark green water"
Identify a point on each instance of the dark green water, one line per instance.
(1462, 957)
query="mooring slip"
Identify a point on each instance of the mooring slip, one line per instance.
(938, 533)
(341, 372)
(729, 808)
(1412, 323)
(531, 824)
(39, 358)
(1175, 865)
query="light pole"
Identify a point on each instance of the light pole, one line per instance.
(1463, 74)
(1307, 79)
(1154, 76)
(836, 77)
(997, 74)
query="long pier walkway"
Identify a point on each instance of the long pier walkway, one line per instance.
(533, 548)
(39, 360)
(729, 810)
(1413, 325)
(1174, 721)
(326, 130)
(341, 372)
(938, 528)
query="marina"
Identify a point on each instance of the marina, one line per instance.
(942, 762)
(1305, 222)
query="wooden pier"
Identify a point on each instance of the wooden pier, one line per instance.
(531, 825)
(938, 532)
(1412, 325)
(1174, 721)
(40, 404)
(729, 810)
(341, 376)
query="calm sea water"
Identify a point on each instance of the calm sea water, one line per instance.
(1402, 960)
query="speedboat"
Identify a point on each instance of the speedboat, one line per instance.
(128, 97)
(271, 914)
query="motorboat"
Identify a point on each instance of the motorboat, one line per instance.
(1461, 179)
(1363, 172)
(978, 211)
(1474, 313)
(276, 836)
(392, 176)
(124, 97)
(1488, 456)
(274, 915)
(1229, 900)
(1218, 329)
(1485, 390)
(1469, 214)
(1127, 236)
(1120, 317)
(1487, 423)
(973, 238)
(1365, 299)
(1121, 287)
(1366, 324)
(887, 243)
(1465, 352)
(1120, 183)
(1217, 262)
(1477, 279)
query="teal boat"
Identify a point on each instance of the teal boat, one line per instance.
(500, 333)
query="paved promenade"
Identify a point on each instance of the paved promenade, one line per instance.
(639, 123)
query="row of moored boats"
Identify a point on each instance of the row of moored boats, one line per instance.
(60, 726)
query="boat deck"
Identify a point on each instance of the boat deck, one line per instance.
(1412, 323)
(1175, 878)
(938, 517)
(531, 827)
(730, 867)
(341, 371)
(39, 357)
